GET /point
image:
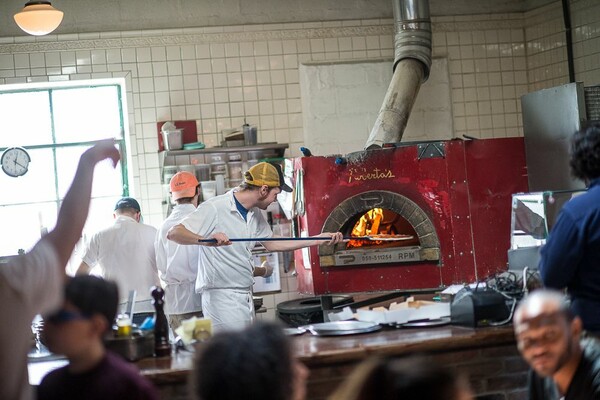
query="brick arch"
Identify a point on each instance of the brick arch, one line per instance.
(401, 205)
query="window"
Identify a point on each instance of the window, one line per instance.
(56, 124)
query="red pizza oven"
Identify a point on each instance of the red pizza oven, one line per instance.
(449, 201)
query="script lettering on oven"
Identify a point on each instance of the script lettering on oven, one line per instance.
(362, 174)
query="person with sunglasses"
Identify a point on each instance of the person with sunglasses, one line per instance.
(549, 339)
(77, 330)
(32, 283)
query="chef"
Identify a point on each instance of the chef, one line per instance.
(225, 269)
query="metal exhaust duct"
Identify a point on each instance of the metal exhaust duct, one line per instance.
(412, 63)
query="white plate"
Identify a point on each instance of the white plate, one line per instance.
(342, 328)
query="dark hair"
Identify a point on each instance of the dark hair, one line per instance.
(585, 152)
(400, 378)
(93, 295)
(255, 363)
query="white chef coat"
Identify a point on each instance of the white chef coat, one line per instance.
(124, 253)
(177, 266)
(224, 270)
(226, 267)
(30, 284)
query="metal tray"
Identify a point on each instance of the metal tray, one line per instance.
(339, 328)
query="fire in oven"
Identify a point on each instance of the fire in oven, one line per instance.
(435, 214)
(398, 231)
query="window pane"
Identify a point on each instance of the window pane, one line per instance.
(36, 185)
(21, 225)
(84, 114)
(107, 180)
(25, 119)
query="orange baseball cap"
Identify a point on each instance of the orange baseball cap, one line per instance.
(183, 184)
(265, 173)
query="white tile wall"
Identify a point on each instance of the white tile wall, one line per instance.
(219, 75)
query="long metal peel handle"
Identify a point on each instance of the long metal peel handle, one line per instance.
(272, 239)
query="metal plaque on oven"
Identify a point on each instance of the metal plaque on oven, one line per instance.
(380, 256)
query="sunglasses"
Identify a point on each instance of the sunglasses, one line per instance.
(62, 316)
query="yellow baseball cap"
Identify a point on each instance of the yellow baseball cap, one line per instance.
(265, 173)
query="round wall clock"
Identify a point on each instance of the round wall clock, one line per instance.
(15, 161)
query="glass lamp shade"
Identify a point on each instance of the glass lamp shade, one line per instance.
(38, 18)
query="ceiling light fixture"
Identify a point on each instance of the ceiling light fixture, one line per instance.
(38, 18)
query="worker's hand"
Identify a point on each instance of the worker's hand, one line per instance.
(336, 237)
(102, 150)
(221, 238)
(268, 269)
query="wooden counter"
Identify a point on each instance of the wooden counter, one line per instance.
(317, 350)
(330, 359)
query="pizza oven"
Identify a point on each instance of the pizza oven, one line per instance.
(440, 212)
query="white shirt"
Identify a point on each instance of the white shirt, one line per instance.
(226, 267)
(177, 266)
(29, 285)
(124, 253)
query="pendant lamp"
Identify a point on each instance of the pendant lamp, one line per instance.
(38, 18)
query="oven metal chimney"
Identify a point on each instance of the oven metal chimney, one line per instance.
(412, 63)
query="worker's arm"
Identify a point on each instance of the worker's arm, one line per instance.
(181, 235)
(83, 269)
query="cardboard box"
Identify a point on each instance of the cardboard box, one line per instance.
(400, 313)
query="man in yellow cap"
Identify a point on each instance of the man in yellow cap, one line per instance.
(225, 269)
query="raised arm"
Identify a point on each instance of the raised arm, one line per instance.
(75, 206)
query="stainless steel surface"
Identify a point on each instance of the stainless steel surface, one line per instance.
(550, 117)
(412, 63)
(592, 102)
(339, 328)
(380, 256)
(132, 348)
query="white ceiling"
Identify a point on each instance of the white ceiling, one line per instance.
(118, 15)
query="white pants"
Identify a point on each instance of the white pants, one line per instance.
(228, 309)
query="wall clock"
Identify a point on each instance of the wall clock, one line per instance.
(15, 161)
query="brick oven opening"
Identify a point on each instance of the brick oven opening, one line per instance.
(385, 214)
(383, 223)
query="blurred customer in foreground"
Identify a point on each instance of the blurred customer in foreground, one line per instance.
(32, 283)
(77, 331)
(256, 364)
(124, 253)
(570, 257)
(405, 378)
(548, 337)
(178, 264)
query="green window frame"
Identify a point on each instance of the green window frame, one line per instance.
(56, 123)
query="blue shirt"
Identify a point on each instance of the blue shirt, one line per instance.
(571, 256)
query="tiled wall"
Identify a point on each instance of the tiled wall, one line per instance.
(220, 75)
(546, 44)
